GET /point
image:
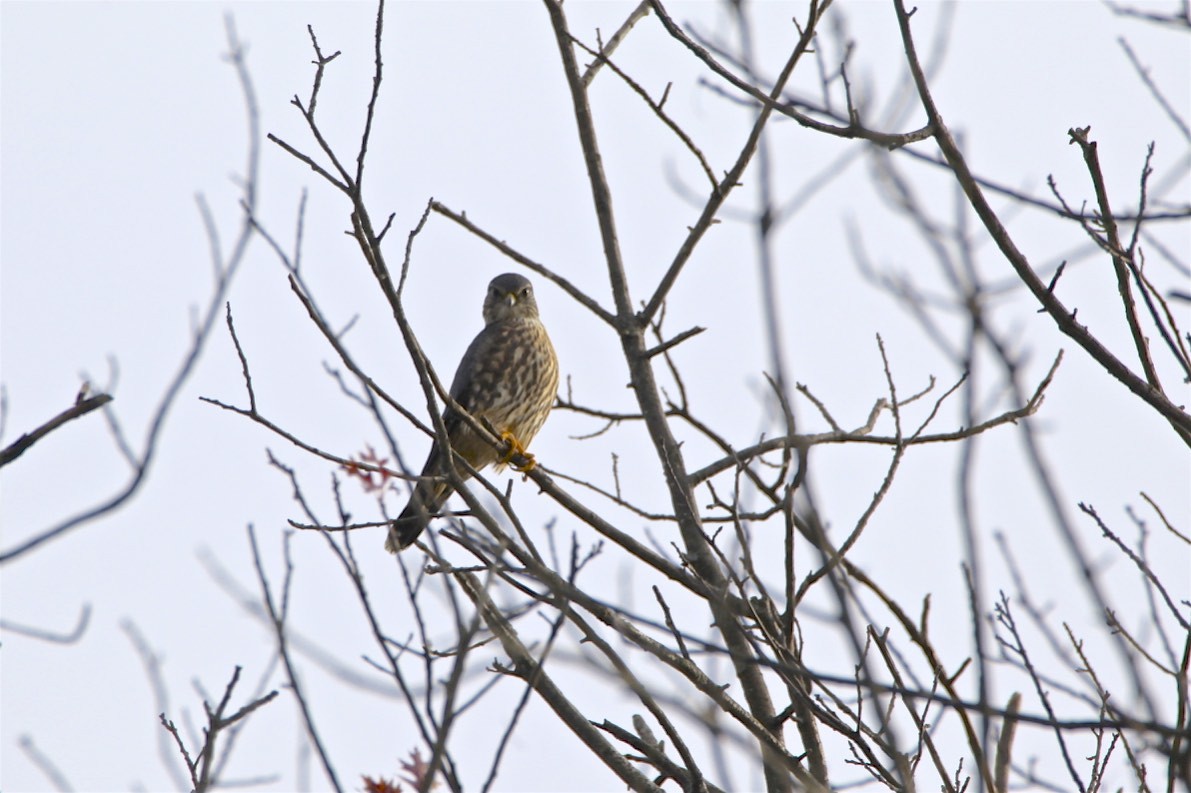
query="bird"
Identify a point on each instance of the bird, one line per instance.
(509, 377)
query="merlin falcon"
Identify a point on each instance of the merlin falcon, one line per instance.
(508, 376)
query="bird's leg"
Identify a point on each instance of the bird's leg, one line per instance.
(515, 450)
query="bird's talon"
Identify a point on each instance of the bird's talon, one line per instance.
(515, 447)
(516, 450)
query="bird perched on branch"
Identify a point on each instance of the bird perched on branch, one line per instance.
(509, 377)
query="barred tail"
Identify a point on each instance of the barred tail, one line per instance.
(426, 501)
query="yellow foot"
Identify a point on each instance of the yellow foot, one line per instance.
(515, 450)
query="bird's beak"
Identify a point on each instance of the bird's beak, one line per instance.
(511, 297)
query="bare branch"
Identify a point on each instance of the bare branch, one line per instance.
(226, 274)
(1063, 318)
(82, 406)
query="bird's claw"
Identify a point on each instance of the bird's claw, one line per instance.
(517, 450)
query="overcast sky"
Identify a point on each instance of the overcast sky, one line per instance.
(115, 116)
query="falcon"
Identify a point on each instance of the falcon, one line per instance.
(508, 376)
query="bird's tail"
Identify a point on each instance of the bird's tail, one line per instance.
(427, 499)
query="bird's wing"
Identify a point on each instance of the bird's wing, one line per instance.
(473, 367)
(463, 393)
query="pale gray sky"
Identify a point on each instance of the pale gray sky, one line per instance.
(115, 115)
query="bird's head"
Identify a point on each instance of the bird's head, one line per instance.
(510, 296)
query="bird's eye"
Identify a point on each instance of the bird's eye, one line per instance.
(525, 292)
